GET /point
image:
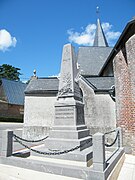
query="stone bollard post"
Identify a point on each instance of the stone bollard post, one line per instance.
(99, 163)
(6, 143)
(120, 138)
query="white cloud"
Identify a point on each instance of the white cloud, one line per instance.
(6, 40)
(106, 27)
(86, 37)
(56, 75)
(111, 36)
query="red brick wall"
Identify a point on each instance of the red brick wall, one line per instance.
(124, 73)
(8, 110)
(130, 47)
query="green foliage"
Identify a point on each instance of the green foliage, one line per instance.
(11, 119)
(9, 72)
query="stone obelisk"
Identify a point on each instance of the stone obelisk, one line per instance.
(69, 128)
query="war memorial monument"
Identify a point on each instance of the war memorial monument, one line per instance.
(72, 150)
(77, 142)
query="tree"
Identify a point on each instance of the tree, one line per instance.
(9, 72)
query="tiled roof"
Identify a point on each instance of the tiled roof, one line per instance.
(92, 59)
(14, 91)
(101, 82)
(42, 85)
(50, 85)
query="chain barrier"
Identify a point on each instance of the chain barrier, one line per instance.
(110, 132)
(54, 150)
(32, 141)
(52, 153)
(109, 145)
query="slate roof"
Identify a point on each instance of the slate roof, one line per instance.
(14, 91)
(50, 85)
(43, 85)
(101, 83)
(92, 59)
(100, 39)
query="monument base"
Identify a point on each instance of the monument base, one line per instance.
(69, 133)
(66, 138)
(84, 156)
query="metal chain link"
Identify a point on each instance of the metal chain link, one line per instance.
(110, 132)
(53, 153)
(32, 141)
(109, 145)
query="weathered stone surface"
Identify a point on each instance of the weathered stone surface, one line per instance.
(63, 169)
(35, 132)
(99, 163)
(38, 116)
(69, 109)
(67, 85)
(99, 110)
(6, 142)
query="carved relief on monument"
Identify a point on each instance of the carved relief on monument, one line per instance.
(66, 80)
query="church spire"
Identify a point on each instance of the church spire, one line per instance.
(100, 39)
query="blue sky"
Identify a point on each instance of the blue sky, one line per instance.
(33, 32)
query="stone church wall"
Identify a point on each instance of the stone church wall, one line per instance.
(99, 110)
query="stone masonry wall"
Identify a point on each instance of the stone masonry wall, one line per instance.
(124, 72)
(99, 110)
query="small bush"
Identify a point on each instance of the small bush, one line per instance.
(11, 119)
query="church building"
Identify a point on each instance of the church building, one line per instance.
(102, 71)
(99, 109)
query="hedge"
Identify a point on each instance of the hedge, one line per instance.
(11, 119)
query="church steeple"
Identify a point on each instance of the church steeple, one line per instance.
(100, 39)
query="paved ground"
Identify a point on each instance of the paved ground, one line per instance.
(14, 173)
(128, 169)
(4, 126)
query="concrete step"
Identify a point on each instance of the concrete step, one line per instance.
(69, 127)
(79, 156)
(64, 121)
(66, 134)
(64, 170)
(66, 144)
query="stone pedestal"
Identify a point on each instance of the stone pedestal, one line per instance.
(69, 130)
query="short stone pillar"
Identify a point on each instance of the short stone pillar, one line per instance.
(99, 163)
(120, 137)
(6, 143)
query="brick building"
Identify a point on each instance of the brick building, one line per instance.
(123, 59)
(11, 99)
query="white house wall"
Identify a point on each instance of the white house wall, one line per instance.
(38, 115)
